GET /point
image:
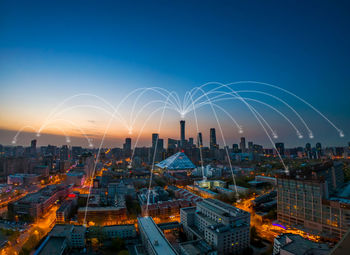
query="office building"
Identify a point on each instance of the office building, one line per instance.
(182, 131)
(250, 146)
(242, 145)
(33, 206)
(319, 153)
(153, 238)
(120, 231)
(108, 215)
(127, 147)
(33, 147)
(224, 227)
(308, 198)
(172, 143)
(280, 148)
(64, 153)
(213, 144)
(199, 140)
(308, 150)
(291, 244)
(154, 140)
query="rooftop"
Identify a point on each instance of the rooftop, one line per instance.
(155, 236)
(53, 246)
(312, 172)
(296, 244)
(99, 208)
(41, 195)
(222, 208)
(178, 161)
(196, 247)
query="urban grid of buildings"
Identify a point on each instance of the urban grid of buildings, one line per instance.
(189, 204)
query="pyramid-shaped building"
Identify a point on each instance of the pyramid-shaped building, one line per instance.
(177, 162)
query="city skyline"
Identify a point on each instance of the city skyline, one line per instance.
(35, 78)
(174, 127)
(244, 144)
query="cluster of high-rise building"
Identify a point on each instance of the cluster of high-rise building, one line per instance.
(315, 199)
(312, 197)
(33, 206)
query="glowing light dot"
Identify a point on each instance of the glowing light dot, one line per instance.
(90, 145)
(240, 131)
(14, 141)
(341, 134)
(311, 136)
(37, 134)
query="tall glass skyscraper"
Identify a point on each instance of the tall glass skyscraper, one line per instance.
(213, 144)
(182, 131)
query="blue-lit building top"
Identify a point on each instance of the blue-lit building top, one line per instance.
(178, 161)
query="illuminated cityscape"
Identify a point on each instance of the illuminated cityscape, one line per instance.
(116, 136)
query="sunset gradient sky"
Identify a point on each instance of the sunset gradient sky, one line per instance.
(51, 50)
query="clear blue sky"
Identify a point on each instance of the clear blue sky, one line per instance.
(51, 49)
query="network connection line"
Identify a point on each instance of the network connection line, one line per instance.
(225, 145)
(154, 157)
(197, 127)
(255, 115)
(238, 126)
(92, 107)
(145, 106)
(215, 91)
(341, 133)
(208, 94)
(80, 95)
(157, 90)
(14, 139)
(141, 131)
(71, 123)
(260, 102)
(286, 104)
(107, 129)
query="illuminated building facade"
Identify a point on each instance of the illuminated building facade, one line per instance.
(224, 227)
(33, 206)
(310, 202)
(108, 215)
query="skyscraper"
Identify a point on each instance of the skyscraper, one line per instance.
(172, 143)
(160, 145)
(155, 137)
(182, 131)
(250, 146)
(200, 140)
(213, 144)
(64, 152)
(242, 145)
(280, 148)
(33, 144)
(235, 148)
(127, 147)
(33, 147)
(318, 150)
(308, 150)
